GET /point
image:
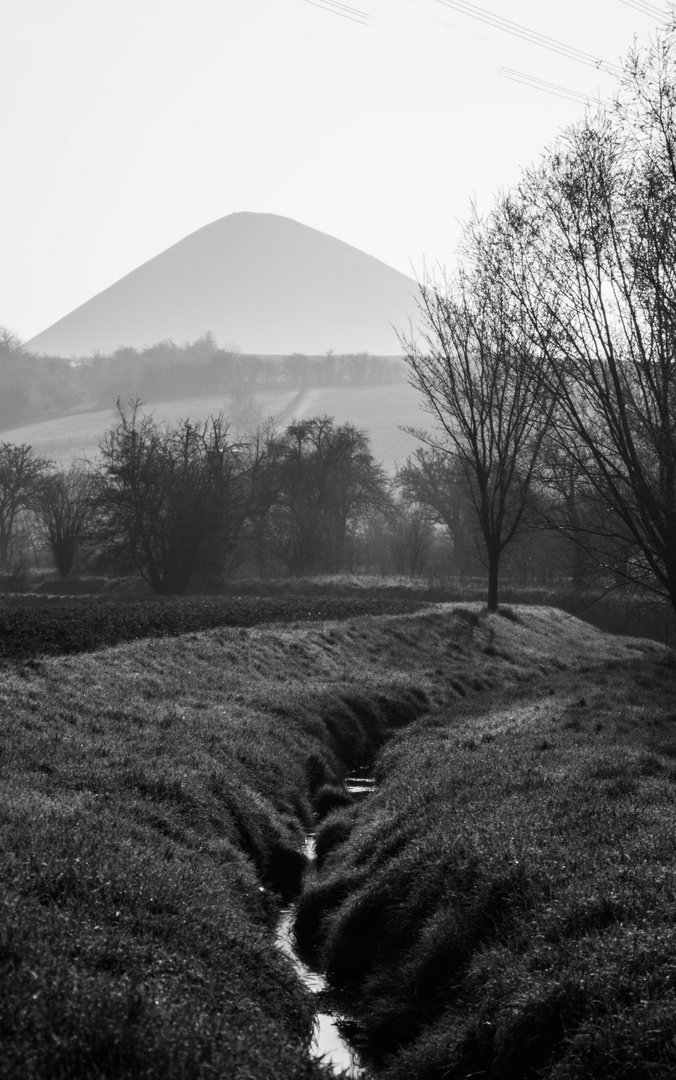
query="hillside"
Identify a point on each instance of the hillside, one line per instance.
(264, 282)
(380, 410)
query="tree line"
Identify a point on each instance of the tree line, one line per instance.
(178, 502)
(547, 360)
(189, 503)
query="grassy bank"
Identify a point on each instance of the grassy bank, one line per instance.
(504, 905)
(617, 612)
(156, 794)
(154, 801)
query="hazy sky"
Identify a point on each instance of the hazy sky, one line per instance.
(125, 126)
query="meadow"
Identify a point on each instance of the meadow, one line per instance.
(35, 625)
(157, 794)
(65, 438)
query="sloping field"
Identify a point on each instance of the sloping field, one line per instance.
(156, 795)
(380, 410)
(65, 438)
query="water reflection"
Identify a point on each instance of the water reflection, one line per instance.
(328, 1042)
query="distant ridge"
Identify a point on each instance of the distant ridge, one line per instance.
(263, 282)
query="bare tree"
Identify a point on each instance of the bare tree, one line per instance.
(328, 477)
(486, 392)
(10, 342)
(22, 475)
(64, 510)
(589, 251)
(431, 479)
(411, 538)
(171, 501)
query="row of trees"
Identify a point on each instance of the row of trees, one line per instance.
(176, 502)
(185, 502)
(548, 360)
(167, 371)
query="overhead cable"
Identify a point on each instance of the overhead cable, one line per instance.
(532, 36)
(647, 9)
(549, 88)
(347, 12)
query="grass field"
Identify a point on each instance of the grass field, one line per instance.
(379, 410)
(38, 625)
(156, 795)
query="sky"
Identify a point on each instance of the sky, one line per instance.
(126, 126)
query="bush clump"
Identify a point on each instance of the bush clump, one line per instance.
(330, 797)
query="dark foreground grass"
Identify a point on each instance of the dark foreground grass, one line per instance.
(154, 803)
(505, 905)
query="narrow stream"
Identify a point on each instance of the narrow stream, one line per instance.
(328, 1043)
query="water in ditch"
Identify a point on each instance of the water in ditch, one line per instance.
(328, 1042)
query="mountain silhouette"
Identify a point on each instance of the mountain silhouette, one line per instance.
(262, 282)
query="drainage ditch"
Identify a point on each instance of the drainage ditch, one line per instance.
(329, 1043)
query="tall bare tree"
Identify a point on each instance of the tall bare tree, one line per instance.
(588, 248)
(481, 383)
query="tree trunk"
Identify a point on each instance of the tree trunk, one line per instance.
(493, 570)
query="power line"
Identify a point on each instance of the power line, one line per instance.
(646, 9)
(334, 8)
(549, 88)
(532, 36)
(347, 12)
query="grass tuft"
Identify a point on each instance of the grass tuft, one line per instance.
(331, 797)
(334, 830)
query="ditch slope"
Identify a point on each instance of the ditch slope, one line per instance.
(504, 904)
(155, 800)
